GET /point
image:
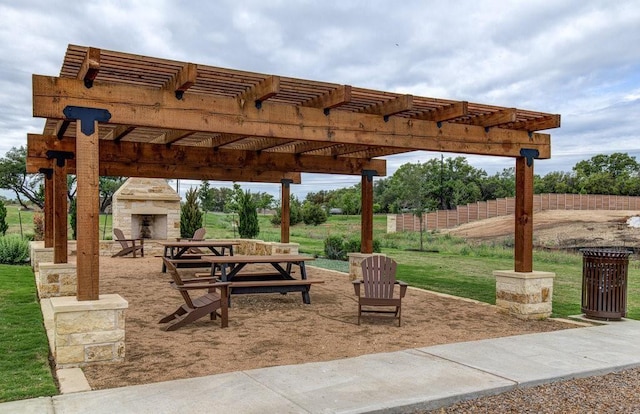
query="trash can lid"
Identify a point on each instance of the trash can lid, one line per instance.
(608, 252)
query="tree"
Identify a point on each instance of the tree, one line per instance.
(263, 200)
(3, 219)
(14, 177)
(615, 174)
(107, 187)
(73, 218)
(205, 195)
(190, 214)
(248, 226)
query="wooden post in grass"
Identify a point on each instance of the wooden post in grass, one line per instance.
(285, 209)
(523, 254)
(366, 233)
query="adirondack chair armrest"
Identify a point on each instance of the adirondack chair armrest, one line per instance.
(201, 280)
(403, 287)
(223, 286)
(132, 240)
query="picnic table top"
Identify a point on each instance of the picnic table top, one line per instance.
(199, 243)
(276, 258)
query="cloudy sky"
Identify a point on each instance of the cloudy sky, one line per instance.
(578, 58)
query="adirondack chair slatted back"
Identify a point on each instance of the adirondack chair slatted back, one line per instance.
(178, 281)
(120, 238)
(199, 234)
(379, 277)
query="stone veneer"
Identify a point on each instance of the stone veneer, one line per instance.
(56, 279)
(526, 295)
(147, 196)
(85, 332)
(262, 248)
(355, 264)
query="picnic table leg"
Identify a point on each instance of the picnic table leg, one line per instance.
(306, 298)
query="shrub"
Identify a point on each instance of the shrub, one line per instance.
(334, 248)
(313, 214)
(295, 213)
(248, 226)
(3, 219)
(73, 213)
(13, 250)
(38, 226)
(190, 214)
(354, 245)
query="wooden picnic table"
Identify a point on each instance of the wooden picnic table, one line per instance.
(178, 251)
(280, 281)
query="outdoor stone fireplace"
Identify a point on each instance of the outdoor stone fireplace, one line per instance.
(147, 208)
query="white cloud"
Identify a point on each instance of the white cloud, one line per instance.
(576, 58)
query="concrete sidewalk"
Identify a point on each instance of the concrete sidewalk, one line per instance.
(424, 378)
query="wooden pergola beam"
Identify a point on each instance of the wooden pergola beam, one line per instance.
(267, 88)
(547, 122)
(159, 109)
(501, 117)
(453, 111)
(392, 106)
(194, 158)
(90, 67)
(332, 99)
(183, 80)
(119, 132)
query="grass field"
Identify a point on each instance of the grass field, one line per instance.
(24, 365)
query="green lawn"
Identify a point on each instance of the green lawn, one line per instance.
(24, 365)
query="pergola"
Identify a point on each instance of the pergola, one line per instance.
(118, 114)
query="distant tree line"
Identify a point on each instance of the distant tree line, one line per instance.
(417, 187)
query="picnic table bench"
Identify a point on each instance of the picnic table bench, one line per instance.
(178, 252)
(280, 281)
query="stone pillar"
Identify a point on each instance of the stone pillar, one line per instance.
(56, 279)
(526, 295)
(355, 264)
(88, 331)
(392, 223)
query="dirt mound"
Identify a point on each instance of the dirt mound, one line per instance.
(561, 228)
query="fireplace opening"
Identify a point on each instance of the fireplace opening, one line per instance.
(149, 226)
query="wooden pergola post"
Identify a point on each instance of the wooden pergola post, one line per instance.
(48, 206)
(60, 234)
(523, 254)
(285, 209)
(88, 198)
(366, 226)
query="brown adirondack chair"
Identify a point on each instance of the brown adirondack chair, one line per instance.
(379, 280)
(128, 245)
(195, 308)
(198, 235)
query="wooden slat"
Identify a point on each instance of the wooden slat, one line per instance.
(392, 106)
(446, 113)
(194, 158)
(90, 66)
(332, 99)
(154, 108)
(502, 117)
(537, 124)
(119, 132)
(264, 90)
(183, 80)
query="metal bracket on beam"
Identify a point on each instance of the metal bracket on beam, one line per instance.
(60, 156)
(286, 182)
(258, 104)
(326, 111)
(48, 172)
(370, 174)
(529, 154)
(87, 117)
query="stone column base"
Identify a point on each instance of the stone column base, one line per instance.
(56, 279)
(355, 264)
(526, 295)
(86, 332)
(39, 253)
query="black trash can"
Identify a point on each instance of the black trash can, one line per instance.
(604, 283)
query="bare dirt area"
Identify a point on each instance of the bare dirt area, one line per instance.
(272, 329)
(561, 229)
